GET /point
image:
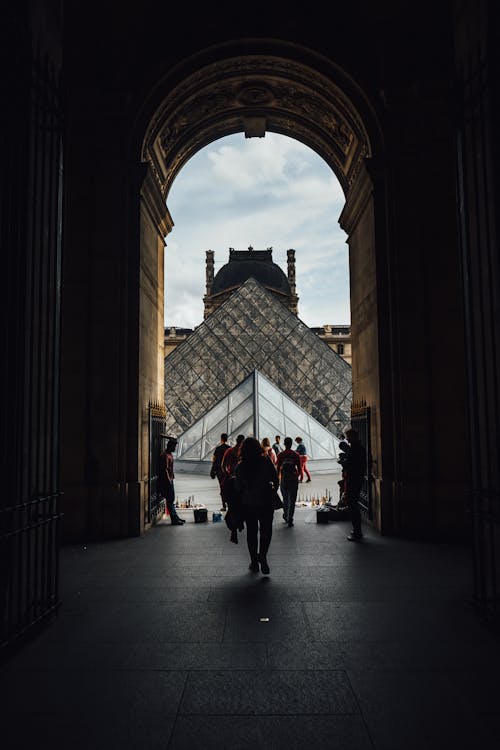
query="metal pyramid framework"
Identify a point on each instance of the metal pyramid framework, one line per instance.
(251, 331)
(255, 407)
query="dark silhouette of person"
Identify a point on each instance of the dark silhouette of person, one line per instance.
(231, 457)
(355, 469)
(166, 480)
(344, 447)
(288, 468)
(255, 479)
(216, 470)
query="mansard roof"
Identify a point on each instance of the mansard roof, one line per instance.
(244, 264)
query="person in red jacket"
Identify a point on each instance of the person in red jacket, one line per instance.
(231, 457)
(166, 480)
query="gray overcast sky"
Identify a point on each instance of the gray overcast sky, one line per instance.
(265, 192)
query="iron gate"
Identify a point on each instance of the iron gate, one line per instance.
(31, 231)
(157, 426)
(476, 99)
(360, 421)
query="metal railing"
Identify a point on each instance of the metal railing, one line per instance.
(31, 190)
(360, 421)
(157, 425)
(29, 565)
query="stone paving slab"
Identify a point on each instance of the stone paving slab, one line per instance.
(160, 643)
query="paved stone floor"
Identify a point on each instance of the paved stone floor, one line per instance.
(168, 641)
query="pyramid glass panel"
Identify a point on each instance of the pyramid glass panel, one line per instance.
(272, 414)
(317, 451)
(240, 393)
(267, 430)
(293, 430)
(269, 391)
(272, 410)
(215, 415)
(231, 414)
(240, 415)
(251, 331)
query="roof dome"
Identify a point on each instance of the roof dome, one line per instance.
(244, 264)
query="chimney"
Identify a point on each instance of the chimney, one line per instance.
(209, 270)
(291, 269)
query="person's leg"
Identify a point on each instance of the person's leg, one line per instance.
(302, 462)
(170, 498)
(293, 488)
(305, 469)
(221, 477)
(252, 524)
(266, 531)
(352, 502)
(286, 500)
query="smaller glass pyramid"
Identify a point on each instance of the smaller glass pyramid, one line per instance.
(256, 407)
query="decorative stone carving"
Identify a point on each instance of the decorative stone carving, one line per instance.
(292, 98)
(255, 96)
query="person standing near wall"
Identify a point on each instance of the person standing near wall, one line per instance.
(166, 480)
(216, 469)
(302, 451)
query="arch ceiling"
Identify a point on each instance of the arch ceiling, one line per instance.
(254, 94)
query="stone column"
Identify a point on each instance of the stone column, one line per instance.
(477, 63)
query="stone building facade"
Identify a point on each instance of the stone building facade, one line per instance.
(338, 338)
(258, 264)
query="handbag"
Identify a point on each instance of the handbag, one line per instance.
(276, 499)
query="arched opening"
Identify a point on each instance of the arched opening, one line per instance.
(401, 361)
(254, 94)
(263, 363)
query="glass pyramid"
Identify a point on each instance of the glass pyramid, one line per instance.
(251, 331)
(255, 407)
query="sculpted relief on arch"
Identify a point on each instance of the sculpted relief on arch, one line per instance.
(291, 98)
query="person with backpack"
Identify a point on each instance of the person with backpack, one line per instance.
(288, 468)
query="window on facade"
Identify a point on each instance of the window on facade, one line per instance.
(340, 348)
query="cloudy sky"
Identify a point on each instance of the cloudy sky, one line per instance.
(265, 192)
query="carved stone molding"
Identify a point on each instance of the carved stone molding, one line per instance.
(291, 98)
(153, 203)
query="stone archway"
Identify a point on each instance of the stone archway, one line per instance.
(299, 95)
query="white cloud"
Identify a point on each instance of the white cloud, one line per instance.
(260, 192)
